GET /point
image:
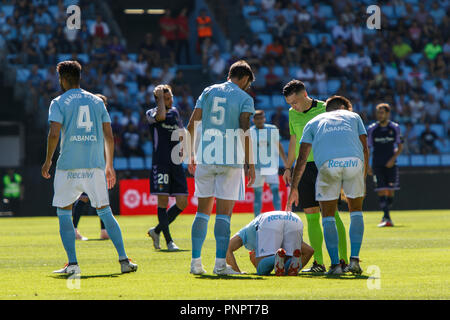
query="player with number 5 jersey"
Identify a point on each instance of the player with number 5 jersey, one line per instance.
(224, 110)
(82, 121)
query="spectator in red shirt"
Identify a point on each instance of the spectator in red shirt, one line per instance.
(99, 28)
(168, 26)
(182, 36)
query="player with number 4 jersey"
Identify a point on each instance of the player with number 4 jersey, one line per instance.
(85, 162)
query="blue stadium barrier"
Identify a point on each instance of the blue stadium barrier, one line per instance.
(136, 163)
(418, 160)
(403, 160)
(445, 160)
(278, 100)
(266, 38)
(432, 160)
(120, 163)
(257, 25)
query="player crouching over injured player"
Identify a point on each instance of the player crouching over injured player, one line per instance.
(276, 242)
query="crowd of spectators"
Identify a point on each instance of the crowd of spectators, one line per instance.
(405, 63)
(35, 36)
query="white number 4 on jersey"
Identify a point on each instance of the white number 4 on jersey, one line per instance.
(84, 119)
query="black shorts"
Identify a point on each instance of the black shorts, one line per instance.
(168, 180)
(307, 188)
(386, 178)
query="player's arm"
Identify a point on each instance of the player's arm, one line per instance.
(160, 107)
(109, 154)
(305, 149)
(363, 139)
(282, 154)
(287, 176)
(191, 128)
(394, 157)
(234, 244)
(244, 124)
(52, 143)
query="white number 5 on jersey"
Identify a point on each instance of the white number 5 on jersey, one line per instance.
(84, 119)
(218, 119)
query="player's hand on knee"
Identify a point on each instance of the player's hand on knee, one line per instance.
(293, 198)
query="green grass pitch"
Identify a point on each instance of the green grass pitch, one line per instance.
(412, 258)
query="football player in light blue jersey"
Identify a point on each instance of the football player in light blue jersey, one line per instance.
(275, 241)
(339, 142)
(83, 122)
(266, 156)
(224, 110)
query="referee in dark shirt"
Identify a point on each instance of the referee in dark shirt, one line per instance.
(386, 141)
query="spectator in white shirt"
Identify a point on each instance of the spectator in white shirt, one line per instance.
(240, 48)
(217, 65)
(344, 61)
(320, 79)
(268, 4)
(258, 49)
(341, 30)
(117, 77)
(357, 34)
(417, 109)
(438, 91)
(432, 110)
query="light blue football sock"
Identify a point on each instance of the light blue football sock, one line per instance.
(275, 196)
(265, 266)
(198, 233)
(356, 232)
(113, 229)
(67, 233)
(331, 238)
(222, 235)
(257, 204)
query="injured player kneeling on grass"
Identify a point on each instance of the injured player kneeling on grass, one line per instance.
(275, 241)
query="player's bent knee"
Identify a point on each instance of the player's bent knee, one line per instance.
(182, 203)
(311, 210)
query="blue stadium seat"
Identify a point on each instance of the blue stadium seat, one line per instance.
(43, 73)
(400, 10)
(432, 160)
(71, 2)
(83, 57)
(333, 85)
(156, 72)
(415, 57)
(391, 73)
(330, 23)
(418, 129)
(147, 147)
(326, 11)
(22, 75)
(136, 163)
(43, 40)
(8, 10)
(54, 10)
(312, 38)
(263, 102)
(376, 69)
(278, 100)
(148, 163)
(439, 129)
(443, 147)
(226, 56)
(113, 114)
(120, 163)
(388, 11)
(293, 71)
(263, 71)
(427, 85)
(418, 160)
(63, 57)
(247, 10)
(257, 25)
(445, 160)
(444, 115)
(132, 87)
(266, 38)
(132, 56)
(278, 70)
(403, 161)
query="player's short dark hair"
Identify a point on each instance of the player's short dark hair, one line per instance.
(166, 88)
(259, 113)
(105, 99)
(335, 103)
(293, 86)
(241, 69)
(70, 71)
(384, 106)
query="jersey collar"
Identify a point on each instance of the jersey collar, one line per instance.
(313, 105)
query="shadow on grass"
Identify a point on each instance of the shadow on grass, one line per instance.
(334, 276)
(167, 251)
(65, 276)
(228, 277)
(96, 239)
